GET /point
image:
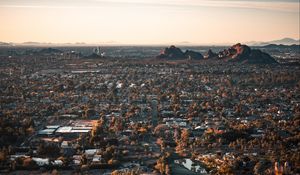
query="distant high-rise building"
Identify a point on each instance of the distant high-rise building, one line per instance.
(97, 51)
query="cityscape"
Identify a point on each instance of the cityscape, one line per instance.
(128, 107)
(68, 112)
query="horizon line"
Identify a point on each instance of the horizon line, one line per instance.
(115, 43)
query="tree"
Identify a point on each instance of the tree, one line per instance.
(28, 163)
(162, 164)
(113, 162)
(185, 137)
(3, 156)
(83, 159)
(54, 172)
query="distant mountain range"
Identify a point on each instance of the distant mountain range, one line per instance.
(31, 43)
(5, 44)
(284, 41)
(280, 46)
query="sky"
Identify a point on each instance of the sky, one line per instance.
(145, 22)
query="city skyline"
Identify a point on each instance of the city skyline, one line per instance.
(148, 22)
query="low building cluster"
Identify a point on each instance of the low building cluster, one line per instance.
(149, 116)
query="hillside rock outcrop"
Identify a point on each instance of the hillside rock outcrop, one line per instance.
(171, 52)
(237, 53)
(192, 55)
(243, 53)
(174, 53)
(210, 54)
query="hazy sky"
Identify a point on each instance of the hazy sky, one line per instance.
(148, 21)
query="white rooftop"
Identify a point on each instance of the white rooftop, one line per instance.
(52, 126)
(90, 151)
(41, 161)
(80, 130)
(46, 131)
(64, 129)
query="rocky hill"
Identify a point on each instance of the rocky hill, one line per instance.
(237, 52)
(174, 53)
(243, 53)
(210, 54)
